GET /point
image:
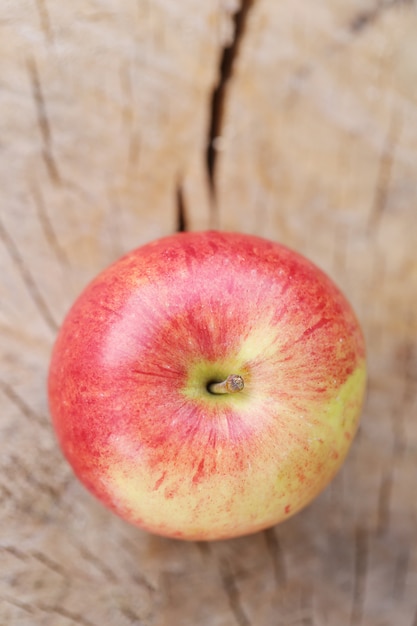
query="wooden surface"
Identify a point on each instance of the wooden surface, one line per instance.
(120, 122)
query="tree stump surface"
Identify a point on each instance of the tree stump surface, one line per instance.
(125, 121)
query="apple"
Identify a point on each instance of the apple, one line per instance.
(208, 385)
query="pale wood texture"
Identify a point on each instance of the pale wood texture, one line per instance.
(105, 112)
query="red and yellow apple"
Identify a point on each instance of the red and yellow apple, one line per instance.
(208, 385)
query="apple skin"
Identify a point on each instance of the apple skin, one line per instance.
(129, 373)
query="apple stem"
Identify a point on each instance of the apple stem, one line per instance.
(232, 384)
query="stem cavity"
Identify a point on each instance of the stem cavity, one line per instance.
(232, 384)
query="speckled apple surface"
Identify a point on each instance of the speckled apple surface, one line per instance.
(129, 374)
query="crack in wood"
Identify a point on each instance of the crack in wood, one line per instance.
(232, 593)
(6, 491)
(18, 554)
(306, 612)
(27, 279)
(227, 64)
(361, 550)
(24, 606)
(275, 552)
(139, 578)
(181, 211)
(32, 609)
(367, 18)
(400, 573)
(16, 468)
(45, 22)
(47, 227)
(307, 620)
(383, 180)
(24, 408)
(384, 500)
(203, 547)
(99, 565)
(130, 614)
(50, 564)
(399, 442)
(408, 357)
(58, 610)
(43, 122)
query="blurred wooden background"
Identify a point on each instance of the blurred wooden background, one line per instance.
(124, 121)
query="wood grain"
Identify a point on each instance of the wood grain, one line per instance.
(122, 122)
